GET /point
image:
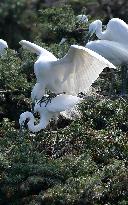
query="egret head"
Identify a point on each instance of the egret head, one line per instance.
(94, 26)
(3, 45)
(24, 116)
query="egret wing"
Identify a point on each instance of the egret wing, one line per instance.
(78, 69)
(35, 48)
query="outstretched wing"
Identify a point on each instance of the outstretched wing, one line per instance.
(78, 69)
(36, 49)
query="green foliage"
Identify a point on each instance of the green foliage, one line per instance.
(82, 163)
(57, 23)
(15, 18)
(10, 69)
(54, 19)
(92, 169)
(12, 7)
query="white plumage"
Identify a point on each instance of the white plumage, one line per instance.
(113, 44)
(58, 104)
(117, 30)
(3, 46)
(82, 18)
(73, 73)
(115, 52)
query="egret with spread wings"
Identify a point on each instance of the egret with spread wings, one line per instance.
(72, 74)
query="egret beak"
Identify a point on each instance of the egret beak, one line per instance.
(32, 107)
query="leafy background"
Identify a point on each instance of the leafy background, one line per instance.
(74, 162)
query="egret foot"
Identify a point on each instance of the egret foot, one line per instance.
(47, 99)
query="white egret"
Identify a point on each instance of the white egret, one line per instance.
(72, 74)
(113, 44)
(58, 104)
(82, 18)
(117, 30)
(115, 52)
(3, 46)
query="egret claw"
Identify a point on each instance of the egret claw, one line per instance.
(47, 99)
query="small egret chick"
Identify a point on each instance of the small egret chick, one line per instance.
(52, 110)
(3, 46)
(117, 30)
(82, 18)
(72, 74)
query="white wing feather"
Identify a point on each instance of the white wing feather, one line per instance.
(78, 69)
(35, 48)
(73, 73)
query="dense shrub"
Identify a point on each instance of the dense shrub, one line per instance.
(84, 162)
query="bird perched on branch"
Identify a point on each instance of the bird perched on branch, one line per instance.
(72, 74)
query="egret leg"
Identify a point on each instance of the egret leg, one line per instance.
(55, 146)
(32, 107)
(124, 69)
(48, 99)
(21, 131)
(112, 82)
